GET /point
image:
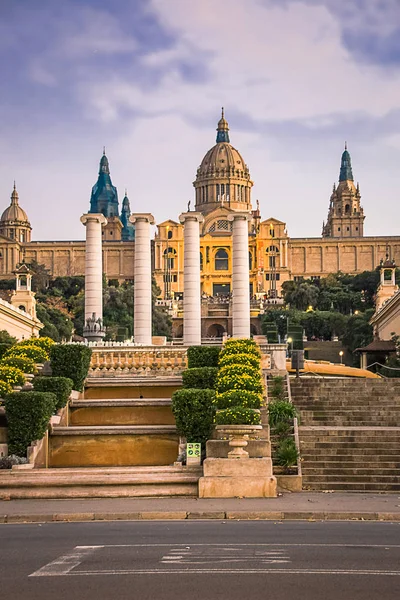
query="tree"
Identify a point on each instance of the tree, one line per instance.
(57, 324)
(358, 332)
(301, 295)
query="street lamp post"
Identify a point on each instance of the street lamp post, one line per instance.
(341, 356)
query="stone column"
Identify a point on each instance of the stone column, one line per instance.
(142, 322)
(93, 329)
(240, 275)
(191, 278)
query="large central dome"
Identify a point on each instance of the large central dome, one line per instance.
(223, 177)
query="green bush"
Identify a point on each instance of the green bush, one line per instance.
(234, 346)
(280, 410)
(5, 388)
(229, 370)
(60, 386)
(12, 375)
(3, 349)
(277, 389)
(239, 382)
(72, 361)
(194, 412)
(200, 377)
(239, 359)
(25, 364)
(243, 398)
(286, 453)
(238, 415)
(282, 429)
(203, 356)
(44, 342)
(28, 415)
(35, 353)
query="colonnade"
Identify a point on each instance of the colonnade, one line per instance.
(94, 329)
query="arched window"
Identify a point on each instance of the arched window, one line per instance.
(169, 234)
(169, 258)
(250, 261)
(273, 254)
(347, 209)
(221, 260)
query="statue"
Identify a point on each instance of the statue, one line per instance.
(188, 206)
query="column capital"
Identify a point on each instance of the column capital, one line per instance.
(191, 216)
(146, 217)
(239, 215)
(96, 217)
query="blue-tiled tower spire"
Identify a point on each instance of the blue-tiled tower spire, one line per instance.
(222, 129)
(346, 172)
(104, 198)
(128, 229)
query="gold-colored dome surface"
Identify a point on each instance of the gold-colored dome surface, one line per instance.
(223, 160)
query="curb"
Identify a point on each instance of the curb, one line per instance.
(184, 515)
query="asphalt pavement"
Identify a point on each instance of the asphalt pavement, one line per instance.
(195, 560)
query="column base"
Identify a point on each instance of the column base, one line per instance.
(229, 478)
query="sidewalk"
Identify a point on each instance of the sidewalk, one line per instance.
(305, 505)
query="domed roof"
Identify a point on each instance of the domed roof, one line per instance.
(14, 212)
(223, 159)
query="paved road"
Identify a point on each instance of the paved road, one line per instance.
(200, 560)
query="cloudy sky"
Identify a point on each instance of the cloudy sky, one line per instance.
(147, 78)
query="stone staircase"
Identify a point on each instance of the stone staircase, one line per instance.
(349, 433)
(120, 440)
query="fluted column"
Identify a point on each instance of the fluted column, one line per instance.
(142, 323)
(93, 329)
(191, 278)
(240, 275)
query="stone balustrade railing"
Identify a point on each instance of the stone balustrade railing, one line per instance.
(137, 361)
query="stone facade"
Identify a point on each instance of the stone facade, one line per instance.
(222, 187)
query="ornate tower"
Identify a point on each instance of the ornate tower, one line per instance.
(346, 215)
(223, 178)
(14, 222)
(104, 200)
(23, 297)
(128, 230)
(387, 286)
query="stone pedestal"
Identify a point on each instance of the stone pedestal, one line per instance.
(93, 329)
(142, 324)
(240, 275)
(191, 278)
(229, 478)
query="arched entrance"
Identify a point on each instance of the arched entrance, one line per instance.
(216, 331)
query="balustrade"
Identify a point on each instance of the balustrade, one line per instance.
(137, 362)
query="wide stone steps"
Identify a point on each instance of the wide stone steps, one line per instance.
(313, 453)
(347, 471)
(99, 483)
(345, 486)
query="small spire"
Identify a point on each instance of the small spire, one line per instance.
(15, 187)
(104, 150)
(222, 129)
(346, 172)
(345, 145)
(14, 195)
(126, 191)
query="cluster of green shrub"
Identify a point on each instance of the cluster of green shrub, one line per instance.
(194, 405)
(281, 413)
(239, 384)
(28, 412)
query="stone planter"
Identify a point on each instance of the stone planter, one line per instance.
(238, 438)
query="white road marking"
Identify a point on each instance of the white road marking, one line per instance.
(233, 572)
(65, 563)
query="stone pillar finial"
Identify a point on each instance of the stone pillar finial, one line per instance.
(240, 275)
(142, 324)
(191, 278)
(93, 329)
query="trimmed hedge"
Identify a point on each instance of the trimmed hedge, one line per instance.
(12, 375)
(230, 370)
(243, 398)
(194, 412)
(60, 386)
(203, 356)
(28, 415)
(4, 348)
(239, 415)
(44, 342)
(35, 353)
(234, 346)
(25, 364)
(200, 377)
(72, 361)
(5, 389)
(239, 359)
(239, 382)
